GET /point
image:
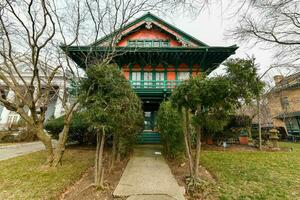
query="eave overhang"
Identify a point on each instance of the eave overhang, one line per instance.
(207, 57)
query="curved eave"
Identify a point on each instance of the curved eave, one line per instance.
(207, 57)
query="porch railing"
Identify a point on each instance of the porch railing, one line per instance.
(155, 84)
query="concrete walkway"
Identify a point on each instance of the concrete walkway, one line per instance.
(15, 150)
(148, 177)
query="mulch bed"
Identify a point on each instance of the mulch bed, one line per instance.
(242, 148)
(231, 147)
(181, 171)
(84, 189)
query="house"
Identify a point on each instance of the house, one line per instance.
(284, 103)
(155, 57)
(54, 109)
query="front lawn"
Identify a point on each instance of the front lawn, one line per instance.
(24, 177)
(255, 175)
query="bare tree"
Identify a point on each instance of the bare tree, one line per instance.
(274, 23)
(30, 33)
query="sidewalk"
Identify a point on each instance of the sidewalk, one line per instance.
(148, 177)
(15, 150)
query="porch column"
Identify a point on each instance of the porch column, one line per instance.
(58, 105)
(5, 112)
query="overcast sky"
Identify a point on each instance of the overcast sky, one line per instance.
(211, 28)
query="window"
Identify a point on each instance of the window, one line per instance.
(136, 79)
(148, 43)
(284, 103)
(13, 118)
(165, 44)
(140, 43)
(159, 77)
(147, 79)
(183, 75)
(292, 124)
(131, 43)
(147, 114)
(156, 44)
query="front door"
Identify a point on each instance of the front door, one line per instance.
(149, 121)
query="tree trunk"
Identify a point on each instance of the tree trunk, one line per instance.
(185, 130)
(198, 150)
(99, 157)
(249, 132)
(61, 146)
(114, 152)
(187, 117)
(259, 123)
(46, 140)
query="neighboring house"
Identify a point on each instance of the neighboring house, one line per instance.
(155, 57)
(251, 111)
(284, 103)
(55, 109)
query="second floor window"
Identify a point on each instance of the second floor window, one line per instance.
(148, 43)
(284, 103)
(136, 76)
(183, 75)
(148, 79)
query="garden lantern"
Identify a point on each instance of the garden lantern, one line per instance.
(274, 138)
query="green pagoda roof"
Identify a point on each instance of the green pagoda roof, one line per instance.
(206, 57)
(196, 52)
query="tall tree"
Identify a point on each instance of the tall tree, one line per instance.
(106, 96)
(243, 73)
(210, 100)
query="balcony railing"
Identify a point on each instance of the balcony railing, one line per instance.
(165, 85)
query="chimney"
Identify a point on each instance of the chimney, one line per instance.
(278, 79)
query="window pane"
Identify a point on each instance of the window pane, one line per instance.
(160, 77)
(136, 78)
(140, 43)
(284, 102)
(292, 124)
(165, 44)
(148, 43)
(183, 75)
(147, 114)
(156, 43)
(147, 79)
(131, 43)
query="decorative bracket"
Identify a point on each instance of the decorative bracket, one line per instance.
(148, 25)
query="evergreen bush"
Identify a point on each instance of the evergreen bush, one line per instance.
(169, 123)
(79, 128)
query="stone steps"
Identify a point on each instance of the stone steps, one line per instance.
(149, 137)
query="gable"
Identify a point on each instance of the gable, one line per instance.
(150, 27)
(149, 38)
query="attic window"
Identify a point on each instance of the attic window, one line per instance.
(148, 43)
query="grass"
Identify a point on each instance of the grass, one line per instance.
(255, 175)
(24, 177)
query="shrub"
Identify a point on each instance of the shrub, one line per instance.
(170, 126)
(79, 128)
